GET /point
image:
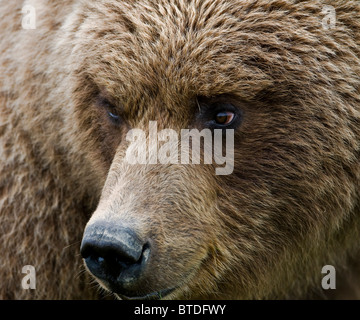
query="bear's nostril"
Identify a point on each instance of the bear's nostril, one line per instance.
(114, 254)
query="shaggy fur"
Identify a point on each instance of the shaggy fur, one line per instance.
(290, 207)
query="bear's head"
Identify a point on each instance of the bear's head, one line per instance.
(267, 76)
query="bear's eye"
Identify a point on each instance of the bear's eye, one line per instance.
(219, 114)
(114, 117)
(224, 118)
(112, 114)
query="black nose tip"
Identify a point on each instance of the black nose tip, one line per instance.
(115, 255)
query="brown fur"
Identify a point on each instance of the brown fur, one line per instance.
(290, 207)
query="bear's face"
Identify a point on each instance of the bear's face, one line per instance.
(181, 230)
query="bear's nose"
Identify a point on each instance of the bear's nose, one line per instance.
(115, 255)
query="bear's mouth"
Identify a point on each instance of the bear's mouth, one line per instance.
(122, 294)
(151, 296)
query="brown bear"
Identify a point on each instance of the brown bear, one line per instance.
(78, 76)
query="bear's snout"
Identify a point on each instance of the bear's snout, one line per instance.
(115, 255)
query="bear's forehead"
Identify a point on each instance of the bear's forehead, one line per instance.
(182, 49)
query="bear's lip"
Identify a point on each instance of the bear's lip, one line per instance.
(156, 295)
(151, 296)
